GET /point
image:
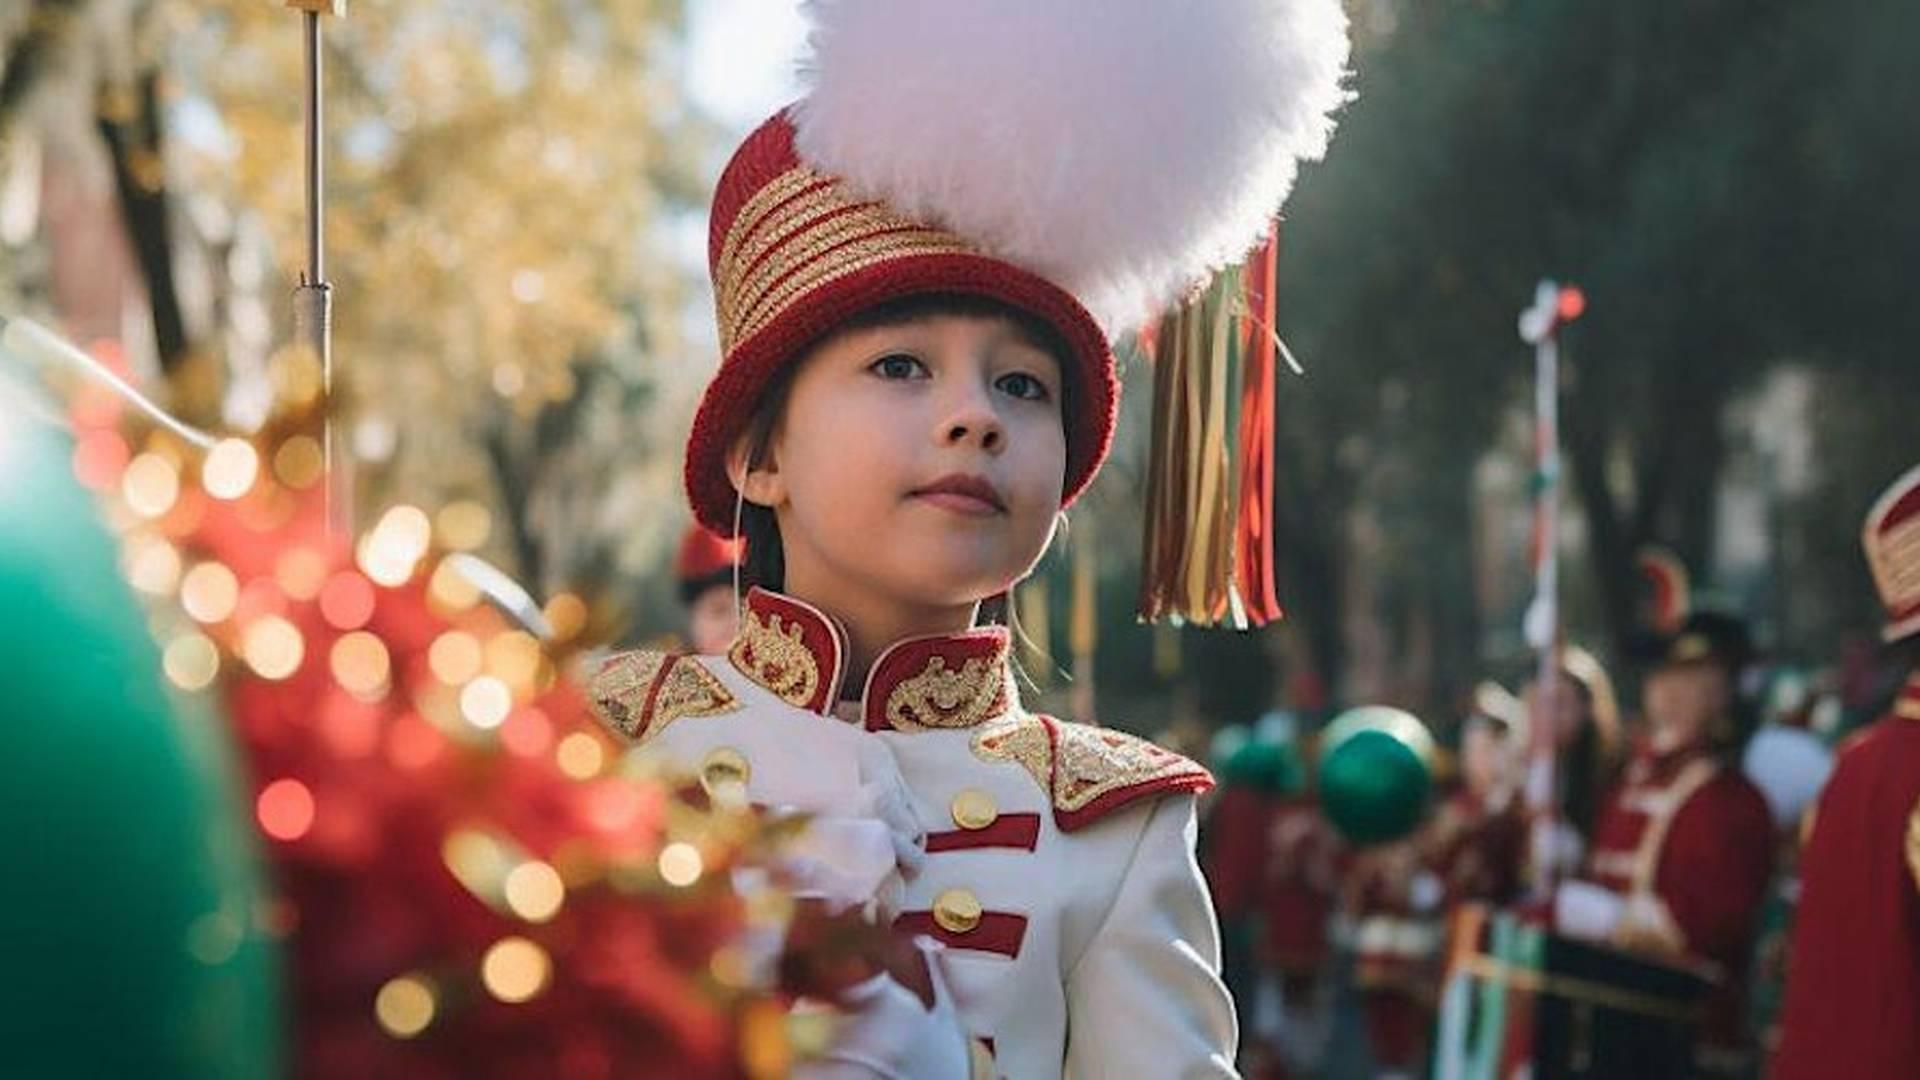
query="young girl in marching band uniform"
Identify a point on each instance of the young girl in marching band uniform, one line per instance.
(913, 387)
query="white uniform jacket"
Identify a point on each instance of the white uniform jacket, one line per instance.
(1059, 869)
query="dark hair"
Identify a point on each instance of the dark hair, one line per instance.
(765, 564)
(1905, 652)
(1586, 771)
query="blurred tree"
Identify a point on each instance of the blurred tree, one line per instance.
(509, 186)
(1721, 177)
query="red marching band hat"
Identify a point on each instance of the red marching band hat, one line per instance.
(794, 253)
(1892, 543)
(911, 168)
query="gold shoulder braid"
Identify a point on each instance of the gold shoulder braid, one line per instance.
(776, 656)
(939, 697)
(1022, 740)
(639, 693)
(1078, 765)
(1094, 761)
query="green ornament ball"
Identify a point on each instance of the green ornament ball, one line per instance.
(132, 890)
(1264, 765)
(1376, 774)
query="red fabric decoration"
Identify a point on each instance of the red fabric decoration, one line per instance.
(997, 932)
(1253, 536)
(1007, 831)
(704, 555)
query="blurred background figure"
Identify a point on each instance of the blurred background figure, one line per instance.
(704, 569)
(1477, 838)
(1376, 777)
(1853, 988)
(1589, 747)
(1292, 1020)
(1683, 848)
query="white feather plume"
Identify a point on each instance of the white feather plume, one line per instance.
(1123, 149)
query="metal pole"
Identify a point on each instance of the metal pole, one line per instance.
(316, 210)
(313, 298)
(1540, 783)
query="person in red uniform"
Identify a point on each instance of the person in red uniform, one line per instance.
(1853, 977)
(1477, 837)
(1305, 857)
(1391, 900)
(1684, 845)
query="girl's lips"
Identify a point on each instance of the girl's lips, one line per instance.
(969, 505)
(974, 496)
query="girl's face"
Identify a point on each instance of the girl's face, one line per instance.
(920, 463)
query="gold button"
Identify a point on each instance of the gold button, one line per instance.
(974, 809)
(957, 911)
(724, 770)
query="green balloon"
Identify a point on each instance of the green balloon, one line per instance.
(132, 890)
(1376, 773)
(1266, 766)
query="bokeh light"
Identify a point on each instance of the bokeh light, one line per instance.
(405, 1006)
(680, 864)
(285, 809)
(209, 592)
(273, 647)
(515, 970)
(191, 661)
(230, 469)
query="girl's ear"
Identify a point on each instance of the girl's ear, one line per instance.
(760, 483)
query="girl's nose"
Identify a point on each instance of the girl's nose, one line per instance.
(972, 420)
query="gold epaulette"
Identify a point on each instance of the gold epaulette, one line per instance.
(1087, 772)
(637, 694)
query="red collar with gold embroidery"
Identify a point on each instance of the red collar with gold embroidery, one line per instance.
(798, 653)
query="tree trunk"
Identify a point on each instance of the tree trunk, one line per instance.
(133, 135)
(515, 484)
(1308, 529)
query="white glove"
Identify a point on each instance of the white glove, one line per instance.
(847, 862)
(860, 851)
(1425, 893)
(1584, 910)
(887, 1033)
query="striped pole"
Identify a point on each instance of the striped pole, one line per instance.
(1553, 307)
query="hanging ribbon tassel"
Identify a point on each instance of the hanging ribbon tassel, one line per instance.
(1253, 540)
(1207, 553)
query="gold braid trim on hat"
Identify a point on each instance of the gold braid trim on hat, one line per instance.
(799, 232)
(1896, 564)
(1913, 844)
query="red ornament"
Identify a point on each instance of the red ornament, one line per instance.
(1573, 303)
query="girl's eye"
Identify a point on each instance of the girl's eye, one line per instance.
(898, 366)
(1023, 386)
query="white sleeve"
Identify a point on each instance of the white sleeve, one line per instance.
(1145, 998)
